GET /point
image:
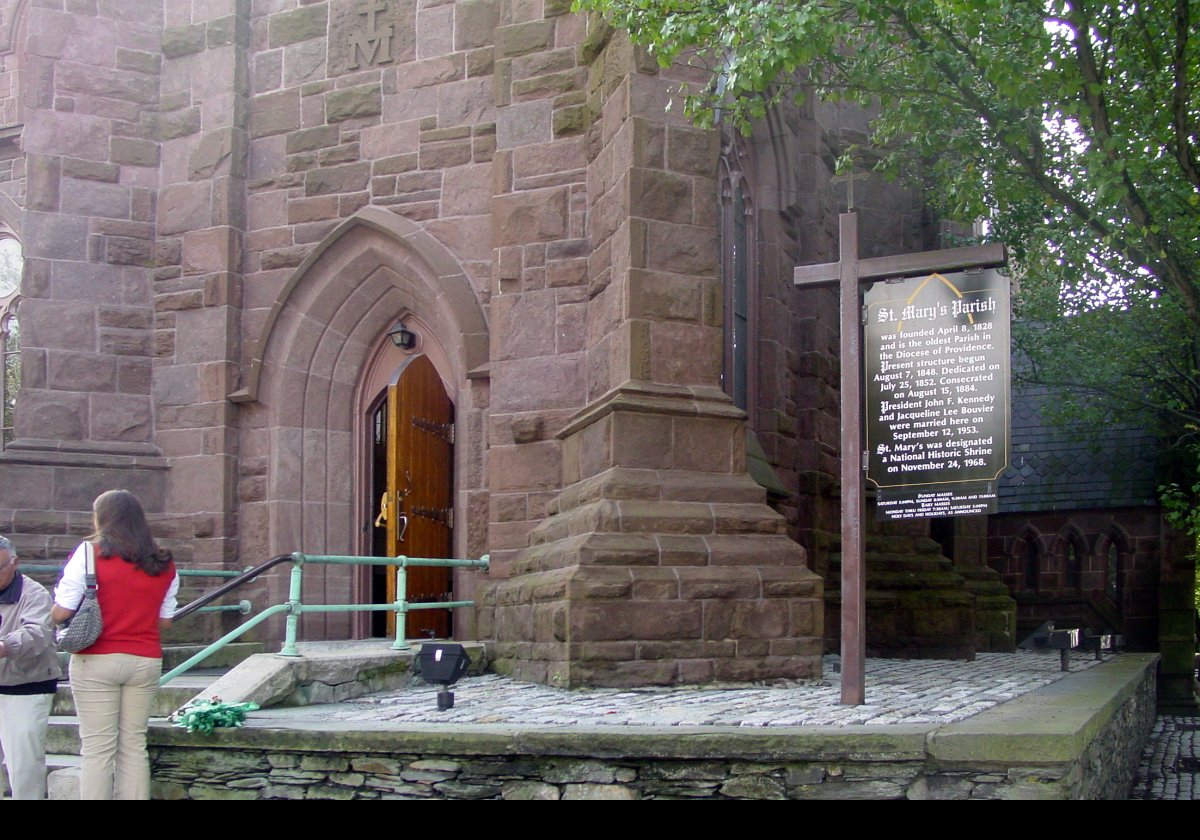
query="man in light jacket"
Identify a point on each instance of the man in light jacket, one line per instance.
(29, 674)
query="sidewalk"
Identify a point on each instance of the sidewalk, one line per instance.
(1170, 768)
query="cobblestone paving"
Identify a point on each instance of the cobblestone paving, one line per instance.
(898, 692)
(1170, 767)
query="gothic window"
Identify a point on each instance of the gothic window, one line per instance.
(1027, 560)
(739, 273)
(1073, 559)
(10, 335)
(1033, 564)
(1112, 570)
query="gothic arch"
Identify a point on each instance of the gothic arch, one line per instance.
(11, 29)
(420, 269)
(1113, 560)
(1028, 558)
(11, 215)
(298, 396)
(1072, 552)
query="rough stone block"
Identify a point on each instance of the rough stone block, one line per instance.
(523, 123)
(88, 170)
(522, 38)
(570, 121)
(51, 415)
(184, 207)
(350, 103)
(636, 620)
(275, 113)
(298, 25)
(220, 152)
(53, 237)
(665, 196)
(131, 151)
(311, 139)
(183, 40)
(337, 179)
(121, 417)
(693, 151)
(215, 249)
(533, 216)
(66, 134)
(475, 23)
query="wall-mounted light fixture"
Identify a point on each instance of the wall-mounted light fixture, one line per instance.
(402, 336)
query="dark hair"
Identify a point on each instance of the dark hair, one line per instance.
(122, 531)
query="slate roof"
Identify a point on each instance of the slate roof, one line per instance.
(1072, 467)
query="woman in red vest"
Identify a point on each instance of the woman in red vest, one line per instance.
(115, 680)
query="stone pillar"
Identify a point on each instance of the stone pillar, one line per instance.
(198, 281)
(85, 418)
(1177, 623)
(660, 561)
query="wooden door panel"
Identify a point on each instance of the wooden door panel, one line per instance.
(420, 487)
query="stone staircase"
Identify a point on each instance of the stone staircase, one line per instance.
(920, 605)
(62, 739)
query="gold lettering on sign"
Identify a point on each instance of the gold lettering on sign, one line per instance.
(374, 45)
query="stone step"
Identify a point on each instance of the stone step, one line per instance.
(62, 735)
(54, 763)
(170, 697)
(63, 783)
(175, 655)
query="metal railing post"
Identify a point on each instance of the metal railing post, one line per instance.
(294, 607)
(401, 642)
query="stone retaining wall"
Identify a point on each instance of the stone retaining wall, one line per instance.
(1079, 738)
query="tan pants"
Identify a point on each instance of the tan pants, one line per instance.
(23, 720)
(113, 695)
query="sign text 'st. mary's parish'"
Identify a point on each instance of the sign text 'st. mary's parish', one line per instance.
(937, 381)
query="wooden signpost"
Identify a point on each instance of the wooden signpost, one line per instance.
(850, 273)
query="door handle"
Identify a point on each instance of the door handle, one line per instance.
(381, 520)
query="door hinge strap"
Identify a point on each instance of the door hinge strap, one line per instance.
(445, 431)
(443, 515)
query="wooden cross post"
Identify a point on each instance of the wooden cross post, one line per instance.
(850, 273)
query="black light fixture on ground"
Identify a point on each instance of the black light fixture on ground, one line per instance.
(442, 663)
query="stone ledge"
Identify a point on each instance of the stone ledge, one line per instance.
(1053, 724)
(112, 455)
(1080, 737)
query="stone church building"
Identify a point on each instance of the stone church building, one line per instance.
(447, 279)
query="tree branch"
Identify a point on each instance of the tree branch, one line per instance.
(1185, 152)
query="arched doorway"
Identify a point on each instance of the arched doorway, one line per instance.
(319, 359)
(411, 429)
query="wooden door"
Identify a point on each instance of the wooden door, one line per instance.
(420, 489)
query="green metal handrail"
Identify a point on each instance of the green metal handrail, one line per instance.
(294, 608)
(49, 568)
(242, 607)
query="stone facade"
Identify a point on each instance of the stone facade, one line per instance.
(225, 205)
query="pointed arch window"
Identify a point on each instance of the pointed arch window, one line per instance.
(10, 335)
(1026, 560)
(1073, 561)
(739, 269)
(1033, 564)
(1112, 570)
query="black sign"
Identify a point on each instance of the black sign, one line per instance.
(937, 382)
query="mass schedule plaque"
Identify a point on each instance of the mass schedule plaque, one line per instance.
(937, 392)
